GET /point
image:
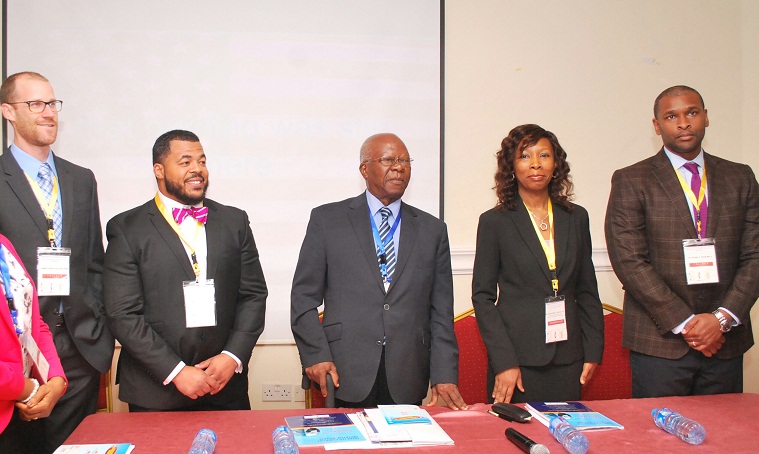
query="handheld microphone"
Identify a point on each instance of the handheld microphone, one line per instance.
(524, 443)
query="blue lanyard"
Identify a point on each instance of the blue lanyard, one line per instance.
(8, 295)
(381, 246)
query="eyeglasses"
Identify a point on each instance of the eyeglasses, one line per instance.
(39, 106)
(387, 161)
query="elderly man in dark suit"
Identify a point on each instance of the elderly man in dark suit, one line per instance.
(682, 228)
(184, 290)
(382, 269)
(49, 202)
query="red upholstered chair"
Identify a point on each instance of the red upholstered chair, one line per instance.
(473, 359)
(104, 395)
(612, 379)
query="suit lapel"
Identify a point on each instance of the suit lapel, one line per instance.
(171, 238)
(560, 234)
(717, 190)
(213, 240)
(521, 220)
(665, 175)
(20, 186)
(358, 214)
(66, 186)
(409, 233)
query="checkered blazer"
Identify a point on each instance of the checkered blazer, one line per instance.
(646, 220)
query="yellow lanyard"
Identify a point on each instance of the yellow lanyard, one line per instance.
(170, 219)
(692, 197)
(48, 206)
(550, 251)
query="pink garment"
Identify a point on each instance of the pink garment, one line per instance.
(11, 361)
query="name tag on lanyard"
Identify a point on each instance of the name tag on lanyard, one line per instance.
(700, 261)
(199, 303)
(556, 319)
(53, 271)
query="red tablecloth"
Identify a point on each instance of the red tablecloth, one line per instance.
(731, 422)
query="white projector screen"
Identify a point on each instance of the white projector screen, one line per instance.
(281, 93)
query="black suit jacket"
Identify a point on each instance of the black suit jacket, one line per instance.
(510, 268)
(145, 265)
(23, 222)
(646, 220)
(338, 266)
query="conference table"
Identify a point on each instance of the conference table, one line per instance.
(731, 422)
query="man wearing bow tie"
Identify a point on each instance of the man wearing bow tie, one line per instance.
(184, 291)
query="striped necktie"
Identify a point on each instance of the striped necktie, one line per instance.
(384, 232)
(45, 181)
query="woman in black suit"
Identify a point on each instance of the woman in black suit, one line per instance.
(534, 287)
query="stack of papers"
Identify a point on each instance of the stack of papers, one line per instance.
(384, 427)
(575, 413)
(109, 448)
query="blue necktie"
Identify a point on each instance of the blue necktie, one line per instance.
(45, 181)
(384, 231)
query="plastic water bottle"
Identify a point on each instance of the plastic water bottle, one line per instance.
(673, 422)
(284, 441)
(565, 433)
(204, 442)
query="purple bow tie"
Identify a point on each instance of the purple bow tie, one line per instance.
(200, 214)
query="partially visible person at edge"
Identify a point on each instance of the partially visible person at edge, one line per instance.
(50, 202)
(534, 287)
(25, 395)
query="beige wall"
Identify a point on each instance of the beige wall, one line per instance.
(588, 71)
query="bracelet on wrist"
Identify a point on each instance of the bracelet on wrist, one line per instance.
(34, 391)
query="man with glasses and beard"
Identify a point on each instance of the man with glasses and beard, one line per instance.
(184, 291)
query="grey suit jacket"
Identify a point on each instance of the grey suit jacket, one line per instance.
(338, 267)
(23, 222)
(510, 268)
(646, 220)
(145, 265)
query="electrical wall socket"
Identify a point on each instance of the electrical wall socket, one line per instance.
(299, 394)
(276, 393)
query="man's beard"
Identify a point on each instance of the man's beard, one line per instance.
(177, 192)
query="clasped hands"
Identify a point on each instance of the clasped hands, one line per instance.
(703, 333)
(449, 392)
(43, 401)
(207, 377)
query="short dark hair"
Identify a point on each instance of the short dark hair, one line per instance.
(677, 90)
(9, 84)
(163, 143)
(519, 138)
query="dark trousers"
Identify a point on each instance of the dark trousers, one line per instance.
(551, 383)
(199, 406)
(693, 374)
(379, 394)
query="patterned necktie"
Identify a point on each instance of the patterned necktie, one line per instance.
(45, 181)
(199, 214)
(384, 232)
(695, 186)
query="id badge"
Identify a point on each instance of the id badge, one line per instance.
(39, 360)
(199, 303)
(556, 319)
(53, 271)
(700, 261)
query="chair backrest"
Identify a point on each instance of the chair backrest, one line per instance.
(104, 393)
(612, 379)
(473, 359)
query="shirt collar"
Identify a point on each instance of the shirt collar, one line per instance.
(678, 161)
(30, 165)
(375, 205)
(171, 203)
